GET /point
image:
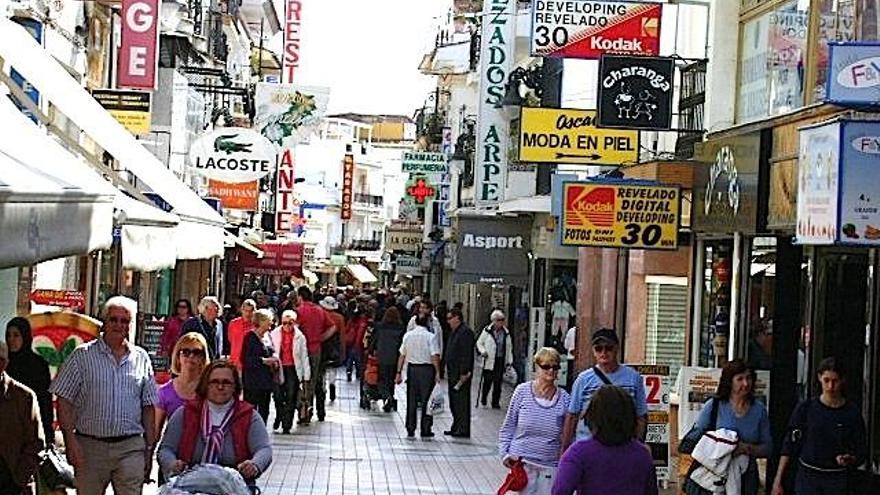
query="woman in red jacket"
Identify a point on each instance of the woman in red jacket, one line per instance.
(355, 330)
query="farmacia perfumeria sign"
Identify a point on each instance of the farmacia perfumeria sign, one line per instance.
(493, 125)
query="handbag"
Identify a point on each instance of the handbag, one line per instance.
(54, 471)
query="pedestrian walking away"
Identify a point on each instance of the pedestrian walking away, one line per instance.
(291, 351)
(31, 370)
(260, 364)
(496, 348)
(21, 431)
(459, 373)
(531, 432)
(318, 327)
(387, 337)
(419, 352)
(109, 431)
(335, 348)
(606, 371)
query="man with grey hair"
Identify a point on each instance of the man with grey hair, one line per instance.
(496, 348)
(21, 431)
(106, 397)
(210, 326)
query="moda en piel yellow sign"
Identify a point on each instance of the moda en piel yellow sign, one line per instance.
(563, 135)
(620, 215)
(129, 108)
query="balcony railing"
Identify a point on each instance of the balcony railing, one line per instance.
(369, 200)
(363, 245)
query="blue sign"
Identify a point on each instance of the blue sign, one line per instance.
(859, 203)
(36, 30)
(443, 219)
(853, 73)
(159, 201)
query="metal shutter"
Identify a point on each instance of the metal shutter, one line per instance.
(666, 316)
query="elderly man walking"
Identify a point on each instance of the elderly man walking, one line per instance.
(20, 430)
(209, 324)
(496, 348)
(106, 397)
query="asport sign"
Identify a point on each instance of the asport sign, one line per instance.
(553, 135)
(588, 29)
(233, 155)
(139, 42)
(621, 215)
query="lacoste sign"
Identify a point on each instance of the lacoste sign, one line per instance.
(232, 155)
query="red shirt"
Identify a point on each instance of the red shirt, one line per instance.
(170, 335)
(286, 350)
(313, 322)
(238, 328)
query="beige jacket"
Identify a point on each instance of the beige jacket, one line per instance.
(487, 348)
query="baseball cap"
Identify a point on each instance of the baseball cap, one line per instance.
(605, 335)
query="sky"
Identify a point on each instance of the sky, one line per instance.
(368, 52)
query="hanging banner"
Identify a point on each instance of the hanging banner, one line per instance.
(419, 190)
(424, 162)
(620, 215)
(279, 259)
(347, 186)
(238, 196)
(636, 92)
(289, 111)
(129, 108)
(493, 125)
(71, 299)
(656, 380)
(139, 44)
(818, 185)
(291, 40)
(588, 29)
(854, 73)
(553, 135)
(232, 154)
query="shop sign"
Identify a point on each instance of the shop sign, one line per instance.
(408, 265)
(588, 29)
(493, 125)
(818, 181)
(443, 219)
(129, 108)
(424, 162)
(139, 44)
(621, 215)
(287, 113)
(403, 239)
(286, 205)
(338, 260)
(291, 39)
(656, 381)
(347, 186)
(35, 28)
(552, 135)
(636, 92)
(726, 184)
(152, 326)
(232, 154)
(854, 73)
(241, 196)
(72, 299)
(493, 250)
(279, 259)
(419, 190)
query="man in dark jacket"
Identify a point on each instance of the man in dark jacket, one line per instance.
(209, 324)
(459, 370)
(20, 430)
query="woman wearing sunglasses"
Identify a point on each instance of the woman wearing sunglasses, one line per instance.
(188, 359)
(217, 428)
(533, 427)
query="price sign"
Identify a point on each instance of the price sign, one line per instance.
(656, 379)
(621, 215)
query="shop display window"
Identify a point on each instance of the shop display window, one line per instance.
(715, 317)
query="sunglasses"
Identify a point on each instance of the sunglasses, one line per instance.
(221, 383)
(192, 352)
(115, 320)
(548, 367)
(604, 348)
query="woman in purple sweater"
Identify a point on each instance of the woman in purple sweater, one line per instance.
(613, 461)
(533, 427)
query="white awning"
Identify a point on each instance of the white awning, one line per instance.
(147, 235)
(200, 233)
(51, 204)
(232, 240)
(362, 274)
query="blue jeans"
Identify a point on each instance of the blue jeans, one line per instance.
(354, 360)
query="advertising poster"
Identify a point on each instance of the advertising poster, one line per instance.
(129, 108)
(419, 189)
(854, 73)
(289, 111)
(818, 185)
(635, 92)
(552, 135)
(656, 379)
(139, 43)
(601, 214)
(497, 56)
(424, 162)
(860, 183)
(588, 29)
(695, 385)
(347, 187)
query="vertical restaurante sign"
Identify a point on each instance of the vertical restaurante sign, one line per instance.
(291, 36)
(493, 126)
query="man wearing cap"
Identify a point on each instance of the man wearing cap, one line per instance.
(21, 431)
(318, 327)
(606, 371)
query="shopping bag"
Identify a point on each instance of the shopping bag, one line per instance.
(437, 402)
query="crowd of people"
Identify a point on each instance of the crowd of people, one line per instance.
(228, 365)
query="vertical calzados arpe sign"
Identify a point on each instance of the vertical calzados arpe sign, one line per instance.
(493, 126)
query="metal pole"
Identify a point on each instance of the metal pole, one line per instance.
(260, 55)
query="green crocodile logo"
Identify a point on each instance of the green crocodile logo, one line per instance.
(225, 144)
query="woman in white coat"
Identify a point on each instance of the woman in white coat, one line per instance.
(289, 344)
(496, 348)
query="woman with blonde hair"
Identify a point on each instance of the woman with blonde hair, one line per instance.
(259, 363)
(532, 430)
(188, 358)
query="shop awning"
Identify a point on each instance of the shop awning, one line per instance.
(232, 240)
(51, 203)
(200, 232)
(362, 274)
(146, 235)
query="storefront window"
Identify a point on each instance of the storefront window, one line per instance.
(715, 324)
(772, 61)
(761, 292)
(837, 22)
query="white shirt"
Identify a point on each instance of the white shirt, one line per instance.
(218, 411)
(562, 310)
(418, 346)
(571, 341)
(435, 329)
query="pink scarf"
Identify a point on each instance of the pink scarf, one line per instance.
(213, 435)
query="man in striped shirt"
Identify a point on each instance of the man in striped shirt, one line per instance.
(106, 397)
